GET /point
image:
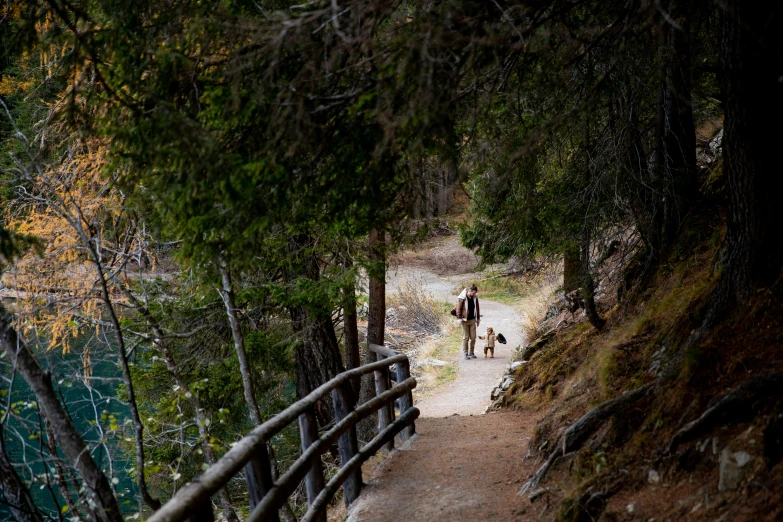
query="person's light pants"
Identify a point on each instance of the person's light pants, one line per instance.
(468, 336)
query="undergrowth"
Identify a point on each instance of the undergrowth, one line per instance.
(652, 335)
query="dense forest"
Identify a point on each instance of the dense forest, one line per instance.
(199, 201)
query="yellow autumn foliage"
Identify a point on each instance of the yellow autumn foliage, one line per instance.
(77, 212)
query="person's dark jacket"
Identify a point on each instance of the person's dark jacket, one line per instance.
(462, 307)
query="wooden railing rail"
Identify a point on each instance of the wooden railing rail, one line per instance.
(192, 502)
(383, 382)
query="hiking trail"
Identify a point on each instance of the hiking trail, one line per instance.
(462, 464)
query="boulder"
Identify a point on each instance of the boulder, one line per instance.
(716, 145)
(436, 362)
(734, 467)
(515, 366)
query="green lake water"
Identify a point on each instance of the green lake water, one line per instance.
(91, 404)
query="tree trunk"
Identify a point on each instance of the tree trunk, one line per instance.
(678, 140)
(138, 426)
(285, 510)
(376, 317)
(674, 184)
(637, 181)
(442, 174)
(68, 438)
(62, 481)
(351, 332)
(572, 268)
(588, 286)
(657, 183)
(227, 293)
(751, 72)
(15, 493)
(318, 357)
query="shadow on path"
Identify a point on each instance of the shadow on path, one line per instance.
(457, 469)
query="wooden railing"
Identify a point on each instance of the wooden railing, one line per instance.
(193, 502)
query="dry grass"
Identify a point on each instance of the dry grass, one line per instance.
(413, 310)
(425, 330)
(709, 128)
(534, 305)
(337, 512)
(438, 348)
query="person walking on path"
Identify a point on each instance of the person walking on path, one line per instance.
(469, 314)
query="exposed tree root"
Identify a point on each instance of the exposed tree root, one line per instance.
(737, 402)
(590, 504)
(577, 433)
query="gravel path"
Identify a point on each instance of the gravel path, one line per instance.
(469, 393)
(441, 288)
(461, 465)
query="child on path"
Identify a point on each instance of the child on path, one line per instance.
(490, 338)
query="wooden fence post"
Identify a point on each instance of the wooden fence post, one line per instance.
(314, 482)
(342, 396)
(389, 385)
(202, 513)
(384, 417)
(258, 473)
(406, 401)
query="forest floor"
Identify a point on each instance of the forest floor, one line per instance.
(462, 464)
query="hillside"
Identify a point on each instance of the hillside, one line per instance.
(653, 418)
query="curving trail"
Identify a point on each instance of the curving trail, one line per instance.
(469, 393)
(462, 465)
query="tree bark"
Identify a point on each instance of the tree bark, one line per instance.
(227, 293)
(351, 333)
(657, 189)
(318, 357)
(678, 139)
(376, 318)
(751, 71)
(588, 285)
(68, 438)
(572, 268)
(62, 482)
(286, 511)
(641, 199)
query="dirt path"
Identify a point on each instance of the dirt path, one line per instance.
(462, 465)
(455, 469)
(469, 393)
